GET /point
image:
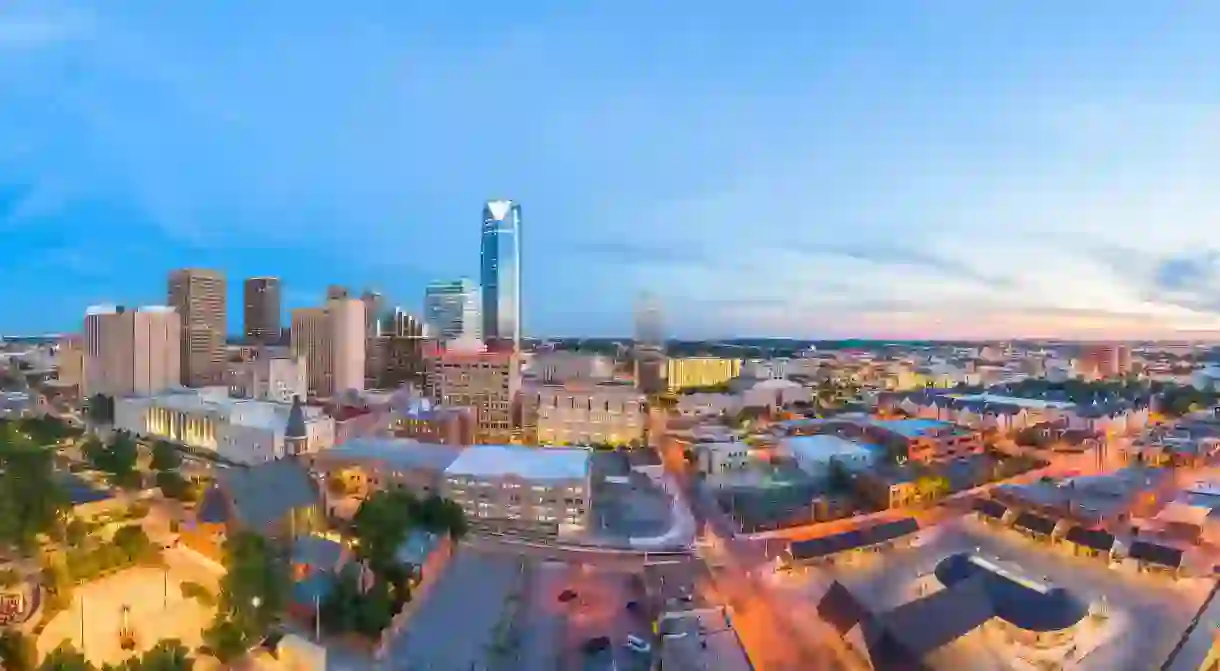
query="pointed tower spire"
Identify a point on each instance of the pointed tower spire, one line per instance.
(296, 434)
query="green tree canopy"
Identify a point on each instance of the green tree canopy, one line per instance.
(225, 640)
(31, 500)
(165, 456)
(256, 587)
(65, 658)
(174, 486)
(17, 651)
(166, 655)
(382, 524)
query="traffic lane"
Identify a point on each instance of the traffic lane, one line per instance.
(631, 562)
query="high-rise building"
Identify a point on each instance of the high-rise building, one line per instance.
(451, 310)
(337, 292)
(649, 346)
(131, 352)
(374, 303)
(1104, 360)
(199, 296)
(262, 309)
(500, 274)
(396, 352)
(649, 323)
(332, 341)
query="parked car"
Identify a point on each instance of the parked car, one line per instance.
(596, 645)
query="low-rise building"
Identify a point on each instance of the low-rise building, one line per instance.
(420, 420)
(563, 367)
(365, 465)
(583, 414)
(700, 371)
(707, 404)
(268, 378)
(814, 454)
(522, 488)
(718, 458)
(237, 430)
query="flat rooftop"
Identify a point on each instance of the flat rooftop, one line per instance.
(397, 453)
(910, 428)
(527, 463)
(827, 445)
(1020, 402)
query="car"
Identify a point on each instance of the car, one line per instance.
(633, 606)
(596, 645)
(566, 596)
(637, 644)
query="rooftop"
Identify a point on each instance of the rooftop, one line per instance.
(827, 446)
(527, 463)
(242, 412)
(910, 428)
(397, 453)
(1028, 403)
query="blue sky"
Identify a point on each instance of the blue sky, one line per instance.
(813, 169)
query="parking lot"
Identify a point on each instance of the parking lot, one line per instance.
(568, 606)
(455, 625)
(1160, 607)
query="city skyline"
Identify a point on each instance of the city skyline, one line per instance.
(947, 171)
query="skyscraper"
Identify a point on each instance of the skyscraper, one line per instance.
(500, 274)
(451, 310)
(262, 309)
(199, 296)
(649, 323)
(130, 352)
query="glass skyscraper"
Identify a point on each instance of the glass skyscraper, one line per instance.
(500, 270)
(451, 310)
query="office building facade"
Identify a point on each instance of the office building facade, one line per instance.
(200, 297)
(131, 352)
(500, 274)
(332, 341)
(486, 382)
(262, 310)
(451, 310)
(581, 413)
(396, 352)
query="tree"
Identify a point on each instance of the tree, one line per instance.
(133, 542)
(76, 531)
(256, 586)
(165, 457)
(337, 486)
(225, 640)
(66, 658)
(31, 500)
(174, 486)
(17, 651)
(381, 525)
(166, 655)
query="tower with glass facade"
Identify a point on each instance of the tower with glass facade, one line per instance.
(500, 274)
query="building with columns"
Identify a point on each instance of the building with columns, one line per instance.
(237, 430)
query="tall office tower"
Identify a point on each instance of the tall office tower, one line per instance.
(1104, 360)
(396, 352)
(649, 322)
(500, 269)
(199, 296)
(331, 340)
(651, 366)
(451, 310)
(374, 303)
(131, 352)
(262, 315)
(337, 291)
